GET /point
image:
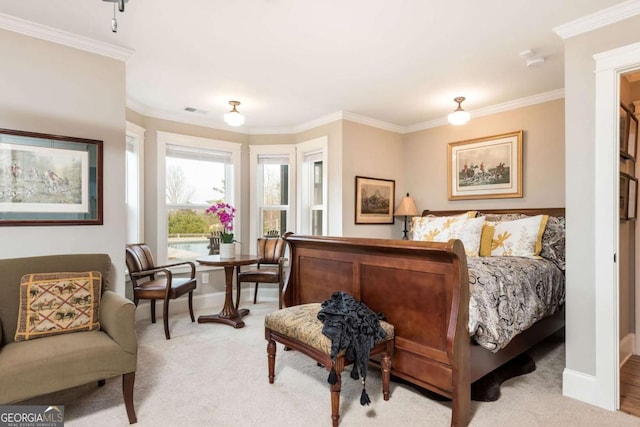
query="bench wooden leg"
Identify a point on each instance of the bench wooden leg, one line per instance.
(271, 358)
(386, 375)
(335, 391)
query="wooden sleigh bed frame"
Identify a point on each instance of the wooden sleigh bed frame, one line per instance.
(422, 288)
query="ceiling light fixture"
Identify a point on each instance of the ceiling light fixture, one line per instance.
(233, 117)
(114, 21)
(459, 116)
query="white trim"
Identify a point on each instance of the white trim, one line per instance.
(254, 209)
(303, 203)
(66, 38)
(139, 131)
(579, 386)
(598, 19)
(192, 141)
(353, 117)
(627, 345)
(609, 67)
(493, 109)
(346, 115)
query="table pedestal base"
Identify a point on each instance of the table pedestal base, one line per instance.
(235, 321)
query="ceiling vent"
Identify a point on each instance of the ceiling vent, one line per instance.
(195, 110)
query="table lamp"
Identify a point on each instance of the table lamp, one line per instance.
(406, 208)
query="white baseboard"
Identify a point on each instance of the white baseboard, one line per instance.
(580, 386)
(627, 344)
(208, 303)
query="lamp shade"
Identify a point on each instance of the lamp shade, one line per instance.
(459, 117)
(407, 207)
(233, 117)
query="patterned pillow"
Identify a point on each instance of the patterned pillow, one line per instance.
(432, 228)
(56, 303)
(553, 241)
(469, 230)
(522, 237)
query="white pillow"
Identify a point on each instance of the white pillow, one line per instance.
(522, 237)
(469, 230)
(435, 228)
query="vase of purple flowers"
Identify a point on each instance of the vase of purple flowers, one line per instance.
(225, 213)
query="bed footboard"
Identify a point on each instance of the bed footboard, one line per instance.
(422, 288)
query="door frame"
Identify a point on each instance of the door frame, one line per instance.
(609, 67)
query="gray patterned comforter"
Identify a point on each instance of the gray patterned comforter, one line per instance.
(509, 294)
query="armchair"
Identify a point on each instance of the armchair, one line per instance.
(269, 268)
(165, 287)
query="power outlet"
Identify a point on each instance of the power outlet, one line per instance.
(205, 278)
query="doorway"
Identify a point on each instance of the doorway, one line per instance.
(609, 68)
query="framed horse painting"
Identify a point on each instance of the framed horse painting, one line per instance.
(485, 168)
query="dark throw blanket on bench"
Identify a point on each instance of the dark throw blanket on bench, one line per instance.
(354, 328)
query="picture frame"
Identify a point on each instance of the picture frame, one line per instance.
(623, 115)
(628, 133)
(485, 168)
(375, 200)
(49, 179)
(628, 197)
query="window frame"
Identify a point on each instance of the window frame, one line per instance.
(233, 197)
(305, 207)
(256, 208)
(138, 134)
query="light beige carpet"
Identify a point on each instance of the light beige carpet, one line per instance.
(215, 375)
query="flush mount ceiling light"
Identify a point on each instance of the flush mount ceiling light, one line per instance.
(114, 21)
(459, 116)
(233, 117)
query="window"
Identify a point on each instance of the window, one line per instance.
(312, 158)
(273, 186)
(197, 172)
(134, 161)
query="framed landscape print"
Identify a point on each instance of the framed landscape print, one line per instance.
(49, 179)
(485, 168)
(374, 200)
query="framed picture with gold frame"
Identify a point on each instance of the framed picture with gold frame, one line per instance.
(485, 168)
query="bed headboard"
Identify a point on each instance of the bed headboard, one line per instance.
(526, 211)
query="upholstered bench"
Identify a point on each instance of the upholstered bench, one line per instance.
(298, 328)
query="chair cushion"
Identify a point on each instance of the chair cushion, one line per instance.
(154, 289)
(301, 323)
(262, 274)
(56, 303)
(35, 367)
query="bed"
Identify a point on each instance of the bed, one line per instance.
(423, 289)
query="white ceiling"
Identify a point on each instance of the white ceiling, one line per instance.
(291, 62)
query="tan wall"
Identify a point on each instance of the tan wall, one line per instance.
(374, 153)
(50, 88)
(580, 142)
(425, 158)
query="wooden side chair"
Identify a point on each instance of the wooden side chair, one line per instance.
(269, 268)
(157, 282)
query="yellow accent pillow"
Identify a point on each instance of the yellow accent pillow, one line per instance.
(522, 237)
(434, 228)
(486, 239)
(56, 303)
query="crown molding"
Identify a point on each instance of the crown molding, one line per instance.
(353, 117)
(493, 109)
(345, 115)
(599, 19)
(32, 29)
